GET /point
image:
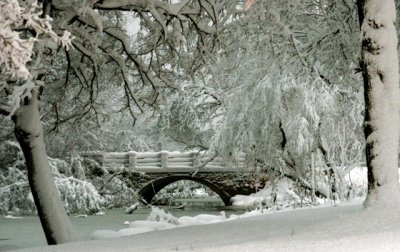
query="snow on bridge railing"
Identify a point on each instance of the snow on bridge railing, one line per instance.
(165, 161)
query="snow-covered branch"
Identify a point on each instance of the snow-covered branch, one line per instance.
(21, 28)
(169, 48)
(150, 5)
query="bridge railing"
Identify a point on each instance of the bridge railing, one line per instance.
(165, 161)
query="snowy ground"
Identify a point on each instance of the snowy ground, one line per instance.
(330, 228)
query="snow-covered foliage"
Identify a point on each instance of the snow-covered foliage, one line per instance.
(160, 215)
(284, 89)
(282, 193)
(84, 188)
(15, 194)
(15, 51)
(114, 190)
(16, 197)
(112, 185)
(78, 194)
(115, 134)
(21, 28)
(279, 194)
(110, 72)
(191, 114)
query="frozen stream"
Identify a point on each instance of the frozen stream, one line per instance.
(26, 231)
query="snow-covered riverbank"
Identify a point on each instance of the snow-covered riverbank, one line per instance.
(26, 231)
(330, 228)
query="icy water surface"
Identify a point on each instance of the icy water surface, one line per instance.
(26, 231)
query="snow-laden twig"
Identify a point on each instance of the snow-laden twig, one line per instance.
(17, 48)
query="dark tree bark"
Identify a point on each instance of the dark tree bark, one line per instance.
(29, 133)
(379, 62)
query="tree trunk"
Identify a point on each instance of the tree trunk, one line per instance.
(379, 62)
(29, 133)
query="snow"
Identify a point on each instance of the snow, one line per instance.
(347, 227)
(279, 195)
(151, 224)
(12, 217)
(132, 208)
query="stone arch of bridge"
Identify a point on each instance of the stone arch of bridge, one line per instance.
(149, 190)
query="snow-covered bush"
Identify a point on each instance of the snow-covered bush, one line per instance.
(114, 190)
(113, 186)
(357, 183)
(281, 192)
(79, 195)
(77, 168)
(16, 197)
(160, 215)
(60, 168)
(277, 194)
(15, 194)
(10, 154)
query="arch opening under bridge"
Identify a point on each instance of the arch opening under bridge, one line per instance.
(149, 190)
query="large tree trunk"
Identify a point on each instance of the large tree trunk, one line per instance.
(382, 96)
(29, 132)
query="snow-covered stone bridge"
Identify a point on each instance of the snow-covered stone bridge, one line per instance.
(149, 172)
